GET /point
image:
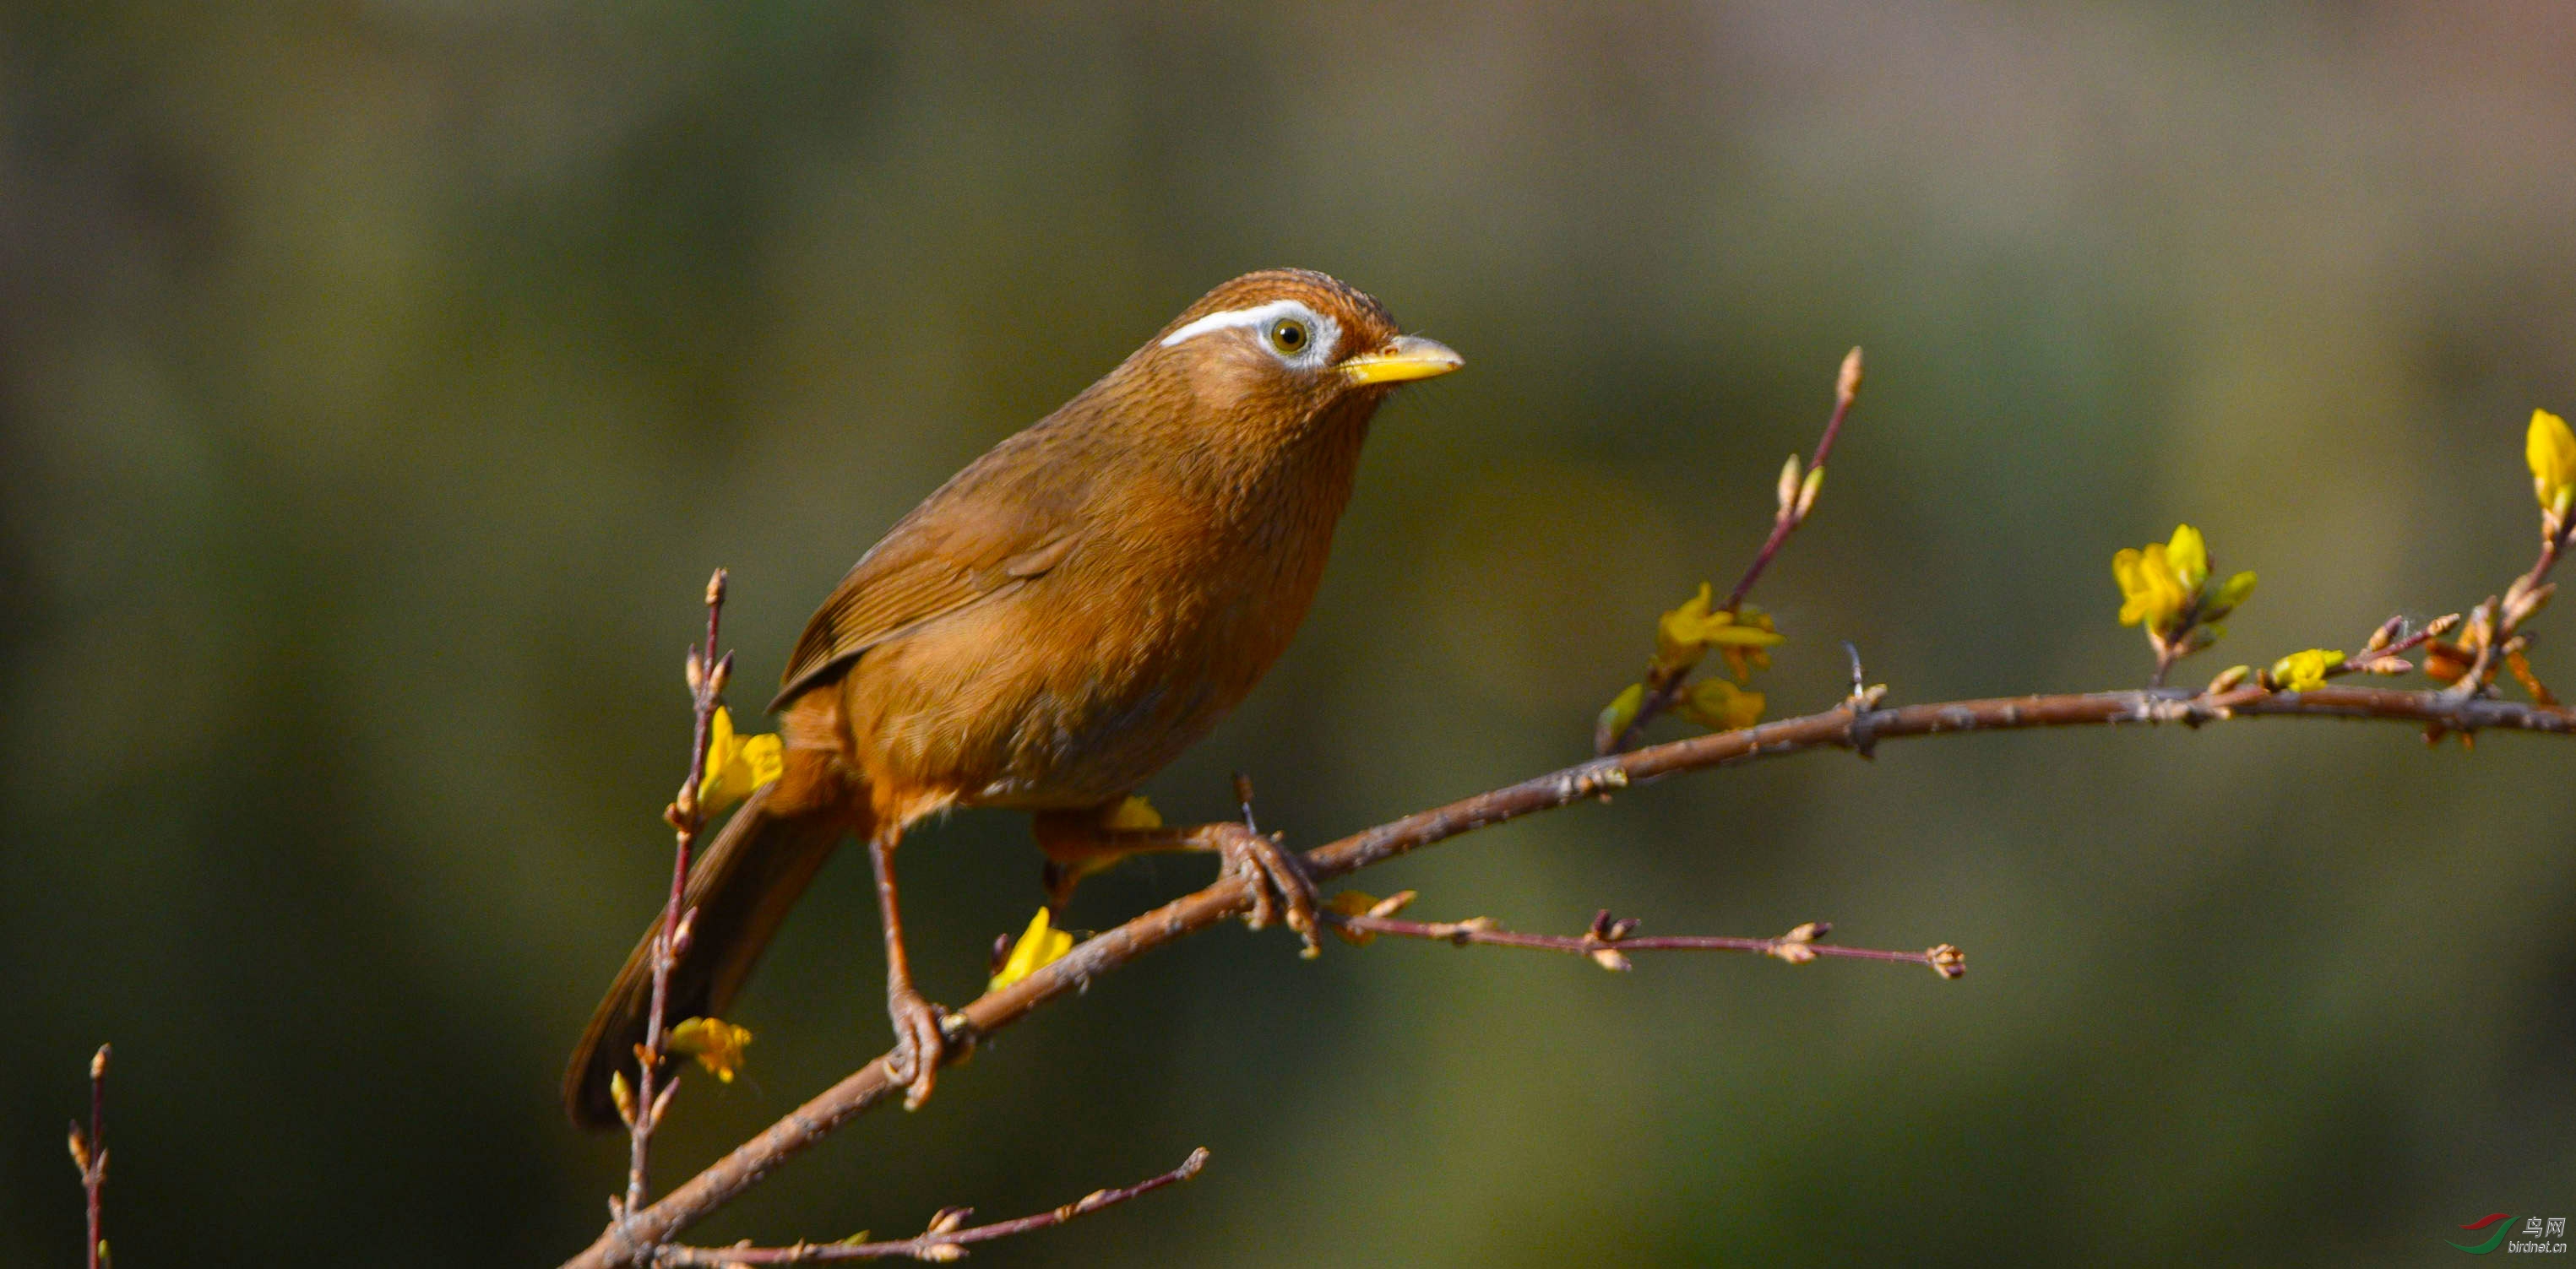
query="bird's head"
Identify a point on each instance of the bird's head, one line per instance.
(1286, 346)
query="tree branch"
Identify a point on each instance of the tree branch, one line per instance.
(943, 1241)
(1797, 496)
(1853, 726)
(1608, 942)
(706, 673)
(89, 1154)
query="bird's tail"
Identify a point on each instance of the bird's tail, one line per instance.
(742, 886)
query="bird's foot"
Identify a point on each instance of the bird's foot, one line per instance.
(920, 1044)
(1280, 887)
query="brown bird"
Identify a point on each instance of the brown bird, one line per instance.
(1048, 629)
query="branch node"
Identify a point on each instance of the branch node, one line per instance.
(1592, 778)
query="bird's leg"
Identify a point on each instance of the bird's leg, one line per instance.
(1077, 845)
(919, 1040)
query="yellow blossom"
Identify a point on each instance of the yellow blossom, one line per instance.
(2189, 557)
(1720, 706)
(1683, 635)
(1129, 814)
(1132, 813)
(1360, 903)
(736, 765)
(1040, 945)
(2150, 591)
(714, 1042)
(1742, 659)
(2166, 580)
(2305, 671)
(1352, 903)
(2551, 450)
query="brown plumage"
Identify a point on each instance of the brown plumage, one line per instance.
(1048, 629)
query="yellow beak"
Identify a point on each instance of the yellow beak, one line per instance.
(1405, 358)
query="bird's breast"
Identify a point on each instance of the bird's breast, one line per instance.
(1076, 686)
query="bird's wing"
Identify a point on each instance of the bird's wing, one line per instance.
(982, 535)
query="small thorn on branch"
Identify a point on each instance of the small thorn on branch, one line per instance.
(1243, 798)
(1862, 702)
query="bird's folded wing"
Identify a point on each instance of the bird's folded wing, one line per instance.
(956, 550)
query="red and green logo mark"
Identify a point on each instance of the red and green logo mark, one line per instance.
(2503, 1226)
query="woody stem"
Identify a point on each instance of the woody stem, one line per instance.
(706, 692)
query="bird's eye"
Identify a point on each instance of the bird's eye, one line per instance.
(1290, 336)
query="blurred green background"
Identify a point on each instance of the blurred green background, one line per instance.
(379, 382)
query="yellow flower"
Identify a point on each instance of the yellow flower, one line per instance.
(2149, 590)
(1742, 658)
(1360, 903)
(1040, 945)
(2305, 671)
(2551, 450)
(1353, 903)
(1134, 812)
(1683, 635)
(2188, 556)
(714, 1042)
(736, 765)
(2162, 582)
(1720, 706)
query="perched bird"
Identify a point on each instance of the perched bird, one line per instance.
(1045, 631)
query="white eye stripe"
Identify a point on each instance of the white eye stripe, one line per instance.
(1327, 333)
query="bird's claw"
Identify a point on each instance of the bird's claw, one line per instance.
(920, 1044)
(1280, 888)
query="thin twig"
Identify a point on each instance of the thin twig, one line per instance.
(2523, 598)
(1837, 728)
(89, 1154)
(1786, 520)
(945, 1240)
(2370, 658)
(1608, 941)
(706, 676)
(2492, 638)
(1664, 685)
(2171, 649)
